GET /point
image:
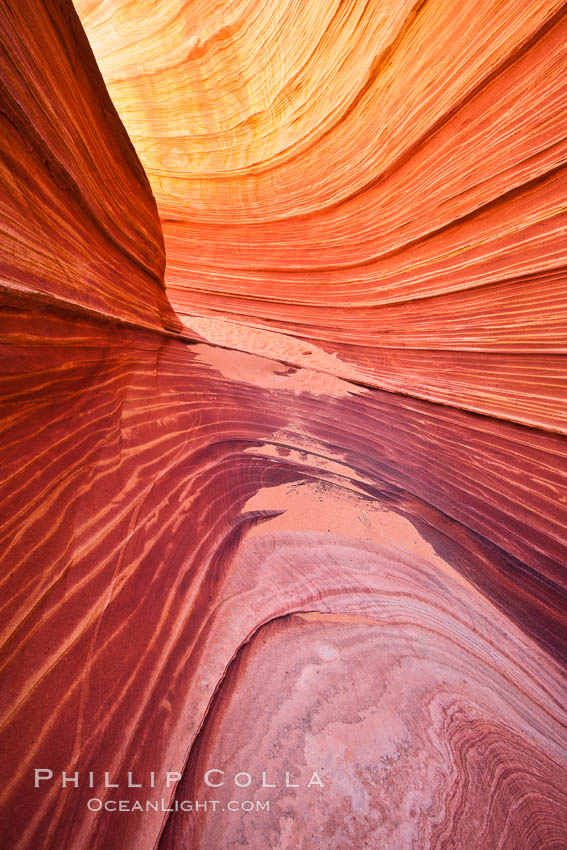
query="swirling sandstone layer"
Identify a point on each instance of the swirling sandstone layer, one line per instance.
(79, 221)
(218, 557)
(185, 510)
(384, 182)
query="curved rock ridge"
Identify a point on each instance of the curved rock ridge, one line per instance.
(386, 182)
(183, 510)
(460, 765)
(80, 224)
(260, 547)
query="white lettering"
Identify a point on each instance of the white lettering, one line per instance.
(74, 779)
(39, 778)
(213, 784)
(265, 783)
(172, 777)
(315, 780)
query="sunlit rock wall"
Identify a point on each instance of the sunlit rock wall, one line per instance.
(380, 180)
(225, 544)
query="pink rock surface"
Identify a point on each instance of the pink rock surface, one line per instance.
(315, 522)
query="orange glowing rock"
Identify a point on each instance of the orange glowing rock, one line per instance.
(294, 503)
(386, 183)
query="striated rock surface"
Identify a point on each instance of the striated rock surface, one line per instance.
(385, 181)
(79, 221)
(239, 549)
(184, 512)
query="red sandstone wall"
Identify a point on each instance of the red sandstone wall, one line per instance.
(235, 549)
(80, 223)
(385, 182)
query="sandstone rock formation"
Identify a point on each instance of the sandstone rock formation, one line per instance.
(290, 504)
(384, 181)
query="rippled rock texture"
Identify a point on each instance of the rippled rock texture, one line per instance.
(383, 180)
(307, 525)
